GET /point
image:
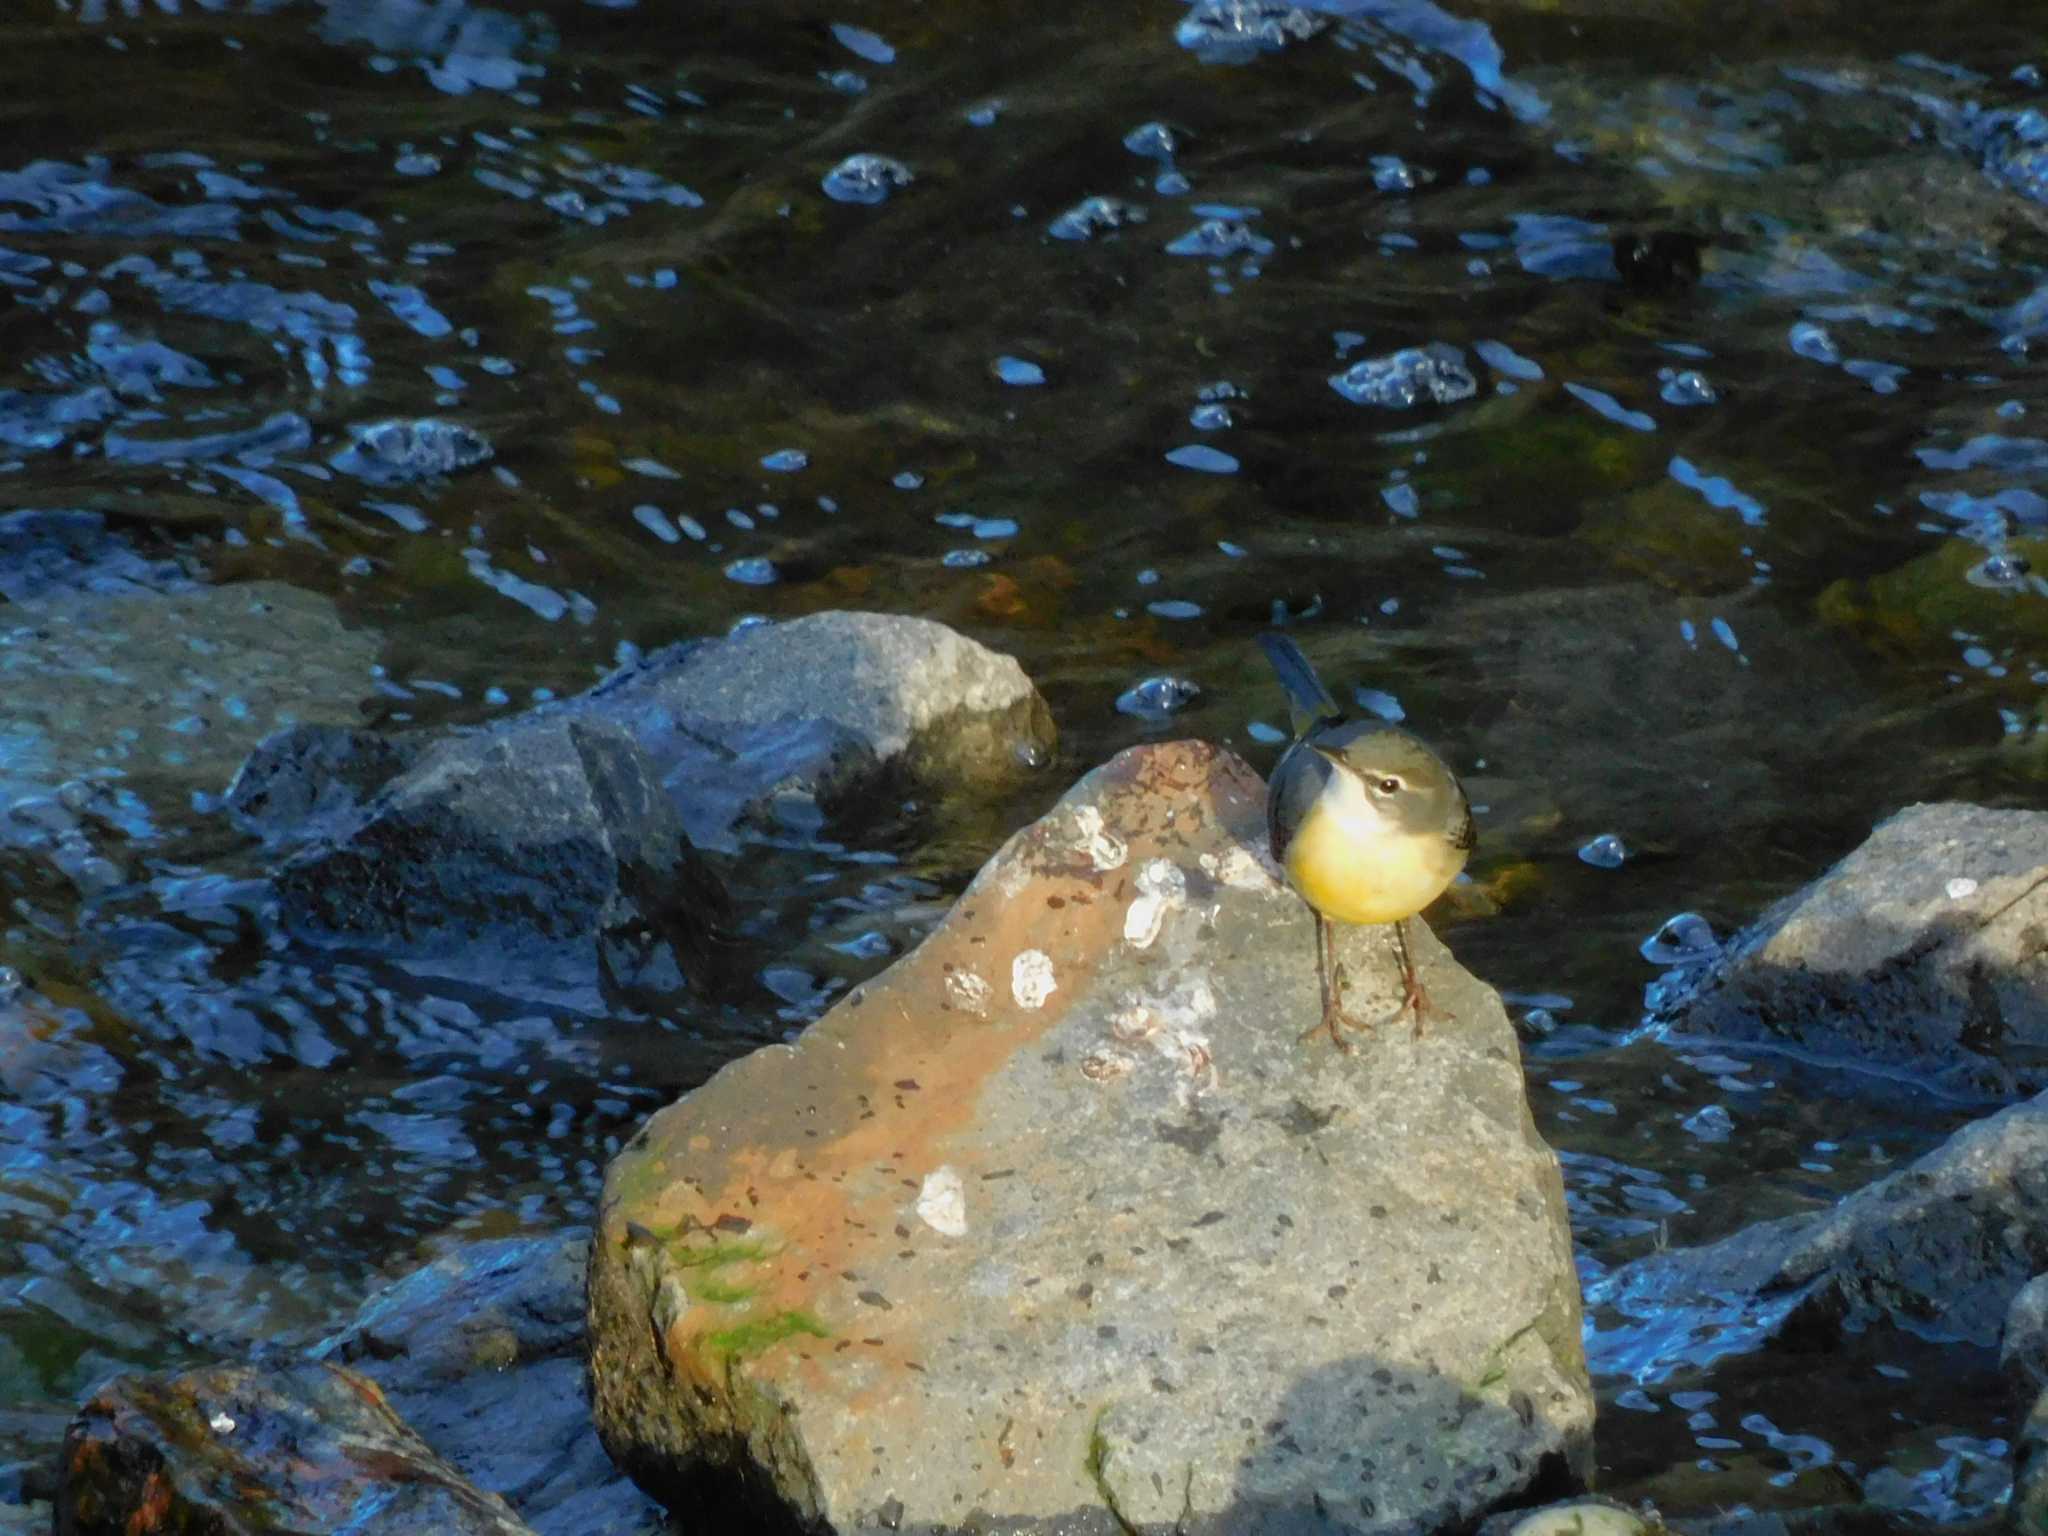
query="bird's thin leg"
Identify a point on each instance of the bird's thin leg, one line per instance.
(1330, 973)
(1413, 996)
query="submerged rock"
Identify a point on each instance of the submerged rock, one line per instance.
(1922, 950)
(1059, 1224)
(482, 1352)
(1941, 1247)
(231, 1449)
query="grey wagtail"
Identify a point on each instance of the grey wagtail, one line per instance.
(1369, 824)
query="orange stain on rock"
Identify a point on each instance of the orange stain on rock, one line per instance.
(865, 1141)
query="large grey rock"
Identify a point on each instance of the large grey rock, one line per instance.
(2023, 1348)
(790, 722)
(482, 1352)
(227, 1450)
(1925, 950)
(535, 855)
(1942, 1247)
(1060, 1225)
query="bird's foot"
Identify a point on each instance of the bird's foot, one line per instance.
(1334, 1021)
(1417, 1001)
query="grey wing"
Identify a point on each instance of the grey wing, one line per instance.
(1297, 780)
(1464, 835)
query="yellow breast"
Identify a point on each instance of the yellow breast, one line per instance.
(1357, 869)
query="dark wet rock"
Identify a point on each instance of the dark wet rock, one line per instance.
(482, 1352)
(314, 781)
(1925, 950)
(396, 451)
(1060, 1221)
(1941, 1248)
(2027, 1513)
(43, 552)
(2023, 1349)
(309, 1448)
(517, 851)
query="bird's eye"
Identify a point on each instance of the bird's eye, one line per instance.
(1390, 785)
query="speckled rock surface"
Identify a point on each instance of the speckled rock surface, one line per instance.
(1943, 1247)
(1059, 1225)
(1925, 950)
(306, 1448)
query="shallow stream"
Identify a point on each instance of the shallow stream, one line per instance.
(1721, 552)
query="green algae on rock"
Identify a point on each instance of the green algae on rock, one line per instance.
(1059, 1224)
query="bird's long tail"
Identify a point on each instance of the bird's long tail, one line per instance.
(1308, 701)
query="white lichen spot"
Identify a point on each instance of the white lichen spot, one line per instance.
(1132, 1024)
(942, 1203)
(221, 1423)
(1031, 978)
(969, 992)
(1241, 869)
(1961, 887)
(1106, 1066)
(1585, 1518)
(1162, 889)
(1105, 850)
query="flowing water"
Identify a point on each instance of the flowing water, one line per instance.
(1638, 399)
